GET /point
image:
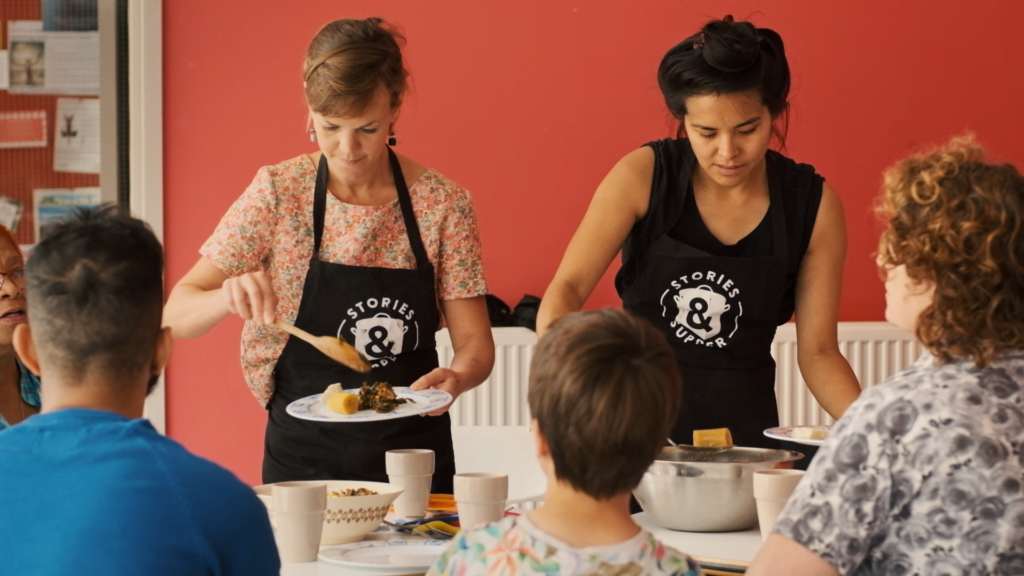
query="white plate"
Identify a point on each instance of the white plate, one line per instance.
(785, 433)
(422, 401)
(412, 554)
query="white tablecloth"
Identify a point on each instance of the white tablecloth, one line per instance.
(729, 546)
(321, 568)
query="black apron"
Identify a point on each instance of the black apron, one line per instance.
(720, 315)
(392, 316)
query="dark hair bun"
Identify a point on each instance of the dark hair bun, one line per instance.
(726, 57)
(730, 46)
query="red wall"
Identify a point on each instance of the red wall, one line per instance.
(529, 103)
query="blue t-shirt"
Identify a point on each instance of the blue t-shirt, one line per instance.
(91, 492)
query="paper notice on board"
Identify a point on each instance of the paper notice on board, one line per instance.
(76, 138)
(52, 62)
(5, 76)
(23, 129)
(57, 204)
(10, 212)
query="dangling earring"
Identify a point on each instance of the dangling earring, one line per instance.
(312, 134)
(392, 139)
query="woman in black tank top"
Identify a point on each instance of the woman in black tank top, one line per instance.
(722, 239)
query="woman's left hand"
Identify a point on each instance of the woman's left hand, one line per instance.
(827, 373)
(470, 331)
(444, 379)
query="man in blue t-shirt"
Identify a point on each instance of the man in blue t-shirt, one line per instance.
(87, 486)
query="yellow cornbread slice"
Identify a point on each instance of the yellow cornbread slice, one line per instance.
(718, 437)
(810, 432)
(343, 403)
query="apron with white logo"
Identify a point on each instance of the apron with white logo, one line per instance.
(720, 315)
(391, 317)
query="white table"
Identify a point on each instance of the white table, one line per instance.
(724, 548)
(321, 568)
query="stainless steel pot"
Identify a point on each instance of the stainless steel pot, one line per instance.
(700, 489)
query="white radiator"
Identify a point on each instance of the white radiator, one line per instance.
(876, 350)
(501, 399)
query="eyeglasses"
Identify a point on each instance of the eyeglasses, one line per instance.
(16, 276)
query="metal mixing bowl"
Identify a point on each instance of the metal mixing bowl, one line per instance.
(700, 489)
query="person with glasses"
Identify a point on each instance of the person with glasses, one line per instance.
(88, 485)
(19, 388)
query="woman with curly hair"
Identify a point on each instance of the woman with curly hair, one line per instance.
(925, 472)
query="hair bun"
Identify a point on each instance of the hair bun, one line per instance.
(730, 46)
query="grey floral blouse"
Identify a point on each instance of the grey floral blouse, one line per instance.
(923, 475)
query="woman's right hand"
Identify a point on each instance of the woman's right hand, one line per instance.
(618, 203)
(251, 296)
(205, 296)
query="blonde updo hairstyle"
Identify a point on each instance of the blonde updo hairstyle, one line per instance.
(956, 221)
(349, 61)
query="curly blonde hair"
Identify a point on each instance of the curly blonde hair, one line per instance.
(957, 222)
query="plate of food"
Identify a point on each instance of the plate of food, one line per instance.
(809, 435)
(411, 554)
(370, 403)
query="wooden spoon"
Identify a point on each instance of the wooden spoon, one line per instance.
(334, 348)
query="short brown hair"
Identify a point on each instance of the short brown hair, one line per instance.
(605, 391)
(349, 61)
(957, 222)
(95, 285)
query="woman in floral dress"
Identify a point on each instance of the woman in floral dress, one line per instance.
(355, 241)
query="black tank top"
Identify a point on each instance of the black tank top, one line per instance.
(668, 213)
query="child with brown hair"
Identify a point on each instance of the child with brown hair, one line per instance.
(604, 392)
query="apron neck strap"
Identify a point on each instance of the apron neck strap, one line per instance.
(412, 228)
(319, 204)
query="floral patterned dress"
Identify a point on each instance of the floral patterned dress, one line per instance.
(270, 228)
(924, 474)
(514, 546)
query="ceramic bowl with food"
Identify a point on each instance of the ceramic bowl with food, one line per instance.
(347, 518)
(706, 489)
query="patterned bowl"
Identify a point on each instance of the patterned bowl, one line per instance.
(347, 518)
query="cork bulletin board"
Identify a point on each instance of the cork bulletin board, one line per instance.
(49, 113)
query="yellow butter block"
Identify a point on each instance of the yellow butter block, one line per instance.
(719, 437)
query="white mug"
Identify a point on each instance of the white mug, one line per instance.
(772, 489)
(298, 519)
(480, 497)
(412, 469)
